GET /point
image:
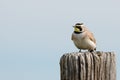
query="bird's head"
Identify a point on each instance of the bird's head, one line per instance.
(78, 28)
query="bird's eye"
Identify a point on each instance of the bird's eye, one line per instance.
(80, 28)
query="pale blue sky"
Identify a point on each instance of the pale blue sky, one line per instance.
(34, 34)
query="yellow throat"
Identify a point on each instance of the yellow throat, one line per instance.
(76, 29)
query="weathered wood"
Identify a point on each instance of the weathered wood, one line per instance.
(88, 66)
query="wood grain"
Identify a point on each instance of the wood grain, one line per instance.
(88, 66)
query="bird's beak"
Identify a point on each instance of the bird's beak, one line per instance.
(73, 26)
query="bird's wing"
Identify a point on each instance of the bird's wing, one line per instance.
(91, 36)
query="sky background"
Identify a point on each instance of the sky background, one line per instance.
(34, 34)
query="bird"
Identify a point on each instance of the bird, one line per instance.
(83, 38)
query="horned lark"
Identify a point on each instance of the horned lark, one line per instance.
(83, 38)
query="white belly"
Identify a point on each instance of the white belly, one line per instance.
(85, 43)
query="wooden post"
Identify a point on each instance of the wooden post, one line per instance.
(88, 66)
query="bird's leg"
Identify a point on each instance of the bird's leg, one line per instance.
(95, 49)
(80, 50)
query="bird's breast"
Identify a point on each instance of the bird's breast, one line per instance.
(83, 42)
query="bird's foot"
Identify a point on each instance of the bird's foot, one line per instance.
(91, 50)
